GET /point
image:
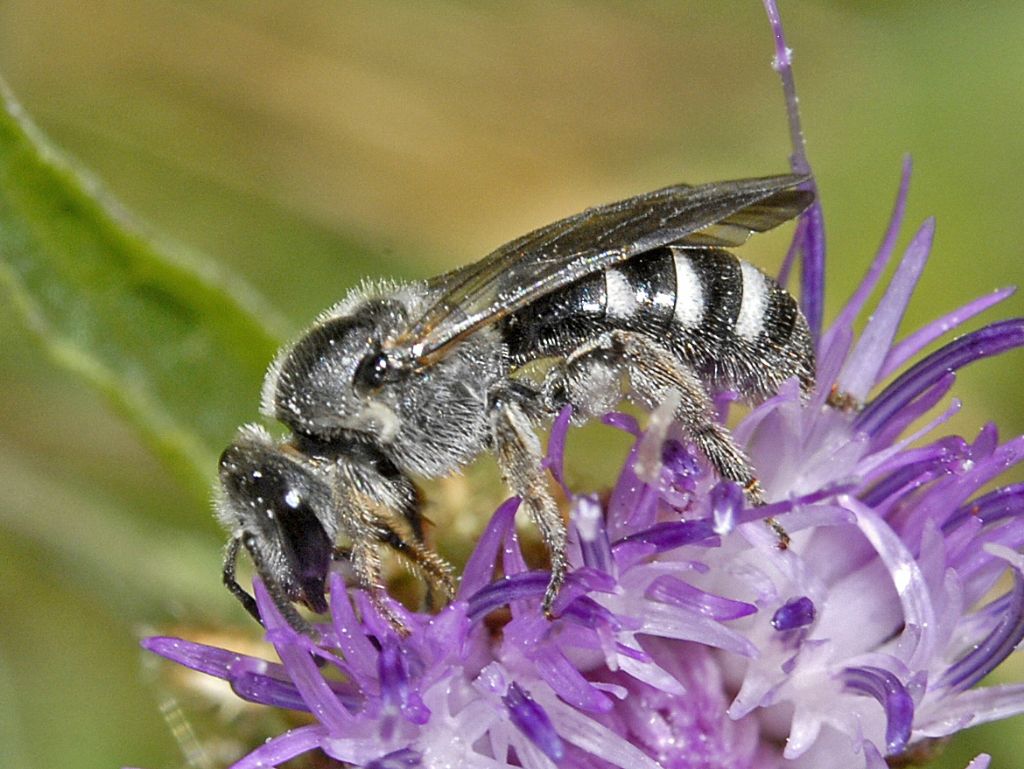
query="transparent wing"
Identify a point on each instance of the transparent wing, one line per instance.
(554, 256)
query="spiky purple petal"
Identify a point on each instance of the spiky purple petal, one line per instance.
(294, 651)
(970, 348)
(865, 362)
(1003, 639)
(901, 353)
(284, 747)
(855, 304)
(671, 535)
(507, 590)
(531, 719)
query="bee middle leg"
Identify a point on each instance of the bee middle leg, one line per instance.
(519, 456)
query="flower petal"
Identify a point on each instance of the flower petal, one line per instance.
(862, 367)
(917, 341)
(294, 651)
(284, 747)
(531, 719)
(1003, 639)
(983, 343)
(844, 321)
(480, 567)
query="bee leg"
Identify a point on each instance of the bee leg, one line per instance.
(653, 371)
(362, 519)
(403, 538)
(368, 524)
(436, 573)
(519, 457)
(231, 583)
(367, 566)
(590, 379)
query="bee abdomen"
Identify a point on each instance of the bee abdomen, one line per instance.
(638, 295)
(735, 326)
(732, 323)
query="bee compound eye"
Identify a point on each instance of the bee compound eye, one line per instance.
(372, 371)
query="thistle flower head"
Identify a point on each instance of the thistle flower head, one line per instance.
(685, 637)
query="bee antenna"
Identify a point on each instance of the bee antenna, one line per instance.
(239, 592)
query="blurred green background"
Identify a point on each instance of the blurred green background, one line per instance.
(304, 146)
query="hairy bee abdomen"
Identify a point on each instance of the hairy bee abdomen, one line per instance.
(733, 325)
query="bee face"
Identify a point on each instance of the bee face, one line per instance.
(280, 505)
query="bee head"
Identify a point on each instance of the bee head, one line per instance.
(281, 508)
(334, 378)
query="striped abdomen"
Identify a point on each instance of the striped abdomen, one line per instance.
(735, 326)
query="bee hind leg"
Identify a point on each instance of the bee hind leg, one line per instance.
(653, 372)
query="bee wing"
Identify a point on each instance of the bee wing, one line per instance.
(554, 256)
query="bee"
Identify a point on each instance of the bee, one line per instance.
(635, 299)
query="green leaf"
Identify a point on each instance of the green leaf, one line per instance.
(175, 345)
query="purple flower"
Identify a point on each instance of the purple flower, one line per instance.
(685, 636)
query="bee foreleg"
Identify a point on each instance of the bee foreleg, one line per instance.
(519, 457)
(366, 564)
(402, 537)
(369, 524)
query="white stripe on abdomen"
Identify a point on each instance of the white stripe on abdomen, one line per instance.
(689, 309)
(750, 322)
(621, 298)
